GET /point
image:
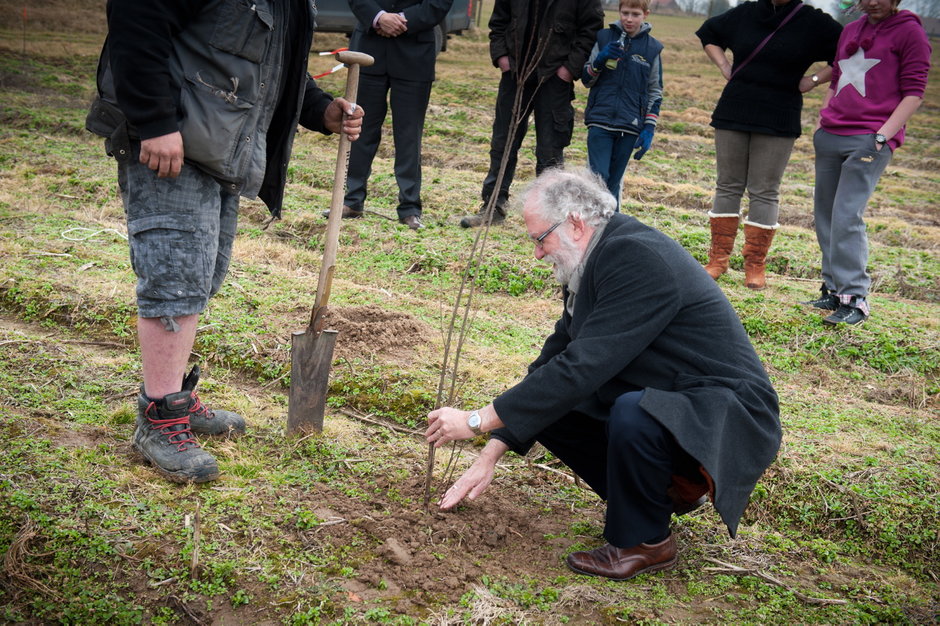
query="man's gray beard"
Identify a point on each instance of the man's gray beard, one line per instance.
(566, 259)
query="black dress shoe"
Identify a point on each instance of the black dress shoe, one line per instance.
(348, 214)
(412, 221)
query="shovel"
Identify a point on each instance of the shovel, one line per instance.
(312, 349)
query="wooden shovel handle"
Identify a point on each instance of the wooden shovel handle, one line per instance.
(353, 61)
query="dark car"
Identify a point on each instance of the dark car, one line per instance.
(335, 16)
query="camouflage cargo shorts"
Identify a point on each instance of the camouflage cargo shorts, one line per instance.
(180, 232)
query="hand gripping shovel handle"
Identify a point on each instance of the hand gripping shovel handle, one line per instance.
(312, 349)
(353, 61)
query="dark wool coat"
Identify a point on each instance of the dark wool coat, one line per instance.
(648, 316)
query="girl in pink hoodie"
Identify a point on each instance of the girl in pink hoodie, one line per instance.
(878, 82)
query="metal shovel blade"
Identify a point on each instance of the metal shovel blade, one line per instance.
(311, 356)
(312, 349)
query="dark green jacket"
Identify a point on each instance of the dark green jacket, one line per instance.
(567, 29)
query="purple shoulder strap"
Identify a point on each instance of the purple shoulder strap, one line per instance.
(761, 45)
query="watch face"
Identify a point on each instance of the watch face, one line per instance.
(474, 420)
(880, 138)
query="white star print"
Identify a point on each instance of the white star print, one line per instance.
(853, 71)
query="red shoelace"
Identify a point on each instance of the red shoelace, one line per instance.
(200, 409)
(163, 425)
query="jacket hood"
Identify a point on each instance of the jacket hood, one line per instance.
(898, 19)
(645, 28)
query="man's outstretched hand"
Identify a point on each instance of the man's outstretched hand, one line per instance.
(477, 478)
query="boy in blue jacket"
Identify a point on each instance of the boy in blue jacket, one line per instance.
(625, 75)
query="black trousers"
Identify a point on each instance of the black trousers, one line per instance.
(629, 461)
(554, 123)
(409, 103)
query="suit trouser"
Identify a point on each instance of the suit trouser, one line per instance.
(554, 123)
(754, 162)
(628, 461)
(847, 170)
(409, 103)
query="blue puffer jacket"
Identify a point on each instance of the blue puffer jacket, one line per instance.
(629, 96)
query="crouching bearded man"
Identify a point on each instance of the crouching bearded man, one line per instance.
(648, 388)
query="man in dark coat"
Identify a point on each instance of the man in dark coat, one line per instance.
(648, 388)
(540, 46)
(399, 35)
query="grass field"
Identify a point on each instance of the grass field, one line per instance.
(332, 529)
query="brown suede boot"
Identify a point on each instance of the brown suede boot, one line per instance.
(724, 230)
(756, 243)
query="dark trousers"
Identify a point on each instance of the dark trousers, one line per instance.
(409, 103)
(629, 461)
(554, 123)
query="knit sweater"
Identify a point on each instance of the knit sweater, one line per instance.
(877, 65)
(764, 96)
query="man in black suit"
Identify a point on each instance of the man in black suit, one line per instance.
(648, 388)
(399, 34)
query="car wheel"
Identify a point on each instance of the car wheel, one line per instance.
(440, 41)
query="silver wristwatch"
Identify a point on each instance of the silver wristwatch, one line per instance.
(474, 421)
(879, 138)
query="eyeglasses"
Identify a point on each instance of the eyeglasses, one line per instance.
(538, 240)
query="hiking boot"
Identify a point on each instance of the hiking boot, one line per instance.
(206, 421)
(165, 440)
(851, 311)
(827, 301)
(474, 221)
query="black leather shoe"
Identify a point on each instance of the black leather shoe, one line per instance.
(348, 214)
(413, 222)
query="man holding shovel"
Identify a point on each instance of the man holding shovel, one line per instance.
(198, 103)
(648, 388)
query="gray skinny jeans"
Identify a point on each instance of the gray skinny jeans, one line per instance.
(754, 162)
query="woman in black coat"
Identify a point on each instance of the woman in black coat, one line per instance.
(757, 119)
